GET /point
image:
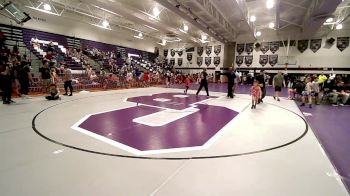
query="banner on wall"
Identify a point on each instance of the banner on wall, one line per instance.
(172, 52)
(165, 52)
(249, 48)
(179, 61)
(274, 47)
(208, 50)
(273, 59)
(240, 48)
(199, 51)
(189, 56)
(342, 43)
(264, 47)
(263, 60)
(239, 60)
(217, 49)
(180, 52)
(216, 61)
(172, 61)
(303, 45)
(248, 60)
(315, 44)
(208, 61)
(199, 61)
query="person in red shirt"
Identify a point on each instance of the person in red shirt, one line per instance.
(187, 83)
(146, 78)
(256, 94)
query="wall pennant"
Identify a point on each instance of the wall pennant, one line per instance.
(208, 50)
(273, 59)
(240, 48)
(189, 56)
(180, 52)
(303, 45)
(208, 61)
(216, 61)
(263, 60)
(199, 51)
(264, 47)
(172, 52)
(274, 46)
(315, 44)
(342, 43)
(165, 52)
(249, 48)
(199, 61)
(172, 61)
(248, 60)
(179, 61)
(239, 60)
(217, 49)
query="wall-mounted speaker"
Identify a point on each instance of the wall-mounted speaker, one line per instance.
(330, 40)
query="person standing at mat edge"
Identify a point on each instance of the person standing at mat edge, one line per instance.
(203, 82)
(231, 76)
(261, 79)
(68, 80)
(278, 83)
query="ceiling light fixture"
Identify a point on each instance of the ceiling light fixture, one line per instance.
(105, 23)
(185, 27)
(156, 11)
(252, 18)
(339, 26)
(204, 37)
(47, 7)
(258, 33)
(270, 4)
(329, 20)
(271, 25)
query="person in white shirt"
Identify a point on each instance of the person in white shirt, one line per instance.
(67, 76)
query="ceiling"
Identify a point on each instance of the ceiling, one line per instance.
(220, 20)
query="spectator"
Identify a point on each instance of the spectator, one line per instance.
(278, 83)
(67, 76)
(339, 91)
(45, 77)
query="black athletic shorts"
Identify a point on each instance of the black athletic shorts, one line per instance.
(278, 88)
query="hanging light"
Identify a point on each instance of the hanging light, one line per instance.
(270, 4)
(252, 18)
(105, 23)
(185, 27)
(258, 33)
(271, 25)
(140, 34)
(47, 7)
(329, 20)
(339, 26)
(156, 11)
(204, 37)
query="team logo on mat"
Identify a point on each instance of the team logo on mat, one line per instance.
(303, 45)
(274, 47)
(217, 49)
(135, 129)
(273, 59)
(216, 61)
(342, 43)
(264, 47)
(248, 60)
(240, 48)
(208, 61)
(263, 60)
(208, 50)
(315, 45)
(172, 52)
(165, 52)
(189, 56)
(239, 60)
(200, 51)
(179, 61)
(249, 48)
(180, 52)
(199, 61)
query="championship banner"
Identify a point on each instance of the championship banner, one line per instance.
(208, 50)
(240, 48)
(207, 61)
(165, 52)
(180, 52)
(172, 52)
(217, 49)
(189, 56)
(239, 60)
(179, 61)
(274, 46)
(248, 60)
(249, 48)
(199, 61)
(263, 60)
(216, 61)
(199, 51)
(264, 47)
(273, 59)
(302, 45)
(342, 43)
(172, 61)
(315, 44)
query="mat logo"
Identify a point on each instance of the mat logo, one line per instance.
(160, 123)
